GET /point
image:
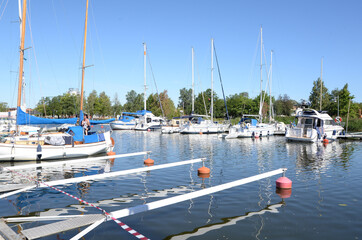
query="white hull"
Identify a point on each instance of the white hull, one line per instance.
(250, 131)
(26, 152)
(169, 129)
(202, 129)
(119, 125)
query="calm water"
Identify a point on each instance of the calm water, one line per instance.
(325, 201)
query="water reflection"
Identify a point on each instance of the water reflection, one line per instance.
(225, 222)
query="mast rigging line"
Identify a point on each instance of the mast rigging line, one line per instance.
(222, 87)
(154, 80)
(4, 8)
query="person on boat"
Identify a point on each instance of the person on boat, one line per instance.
(86, 124)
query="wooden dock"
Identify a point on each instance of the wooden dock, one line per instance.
(351, 136)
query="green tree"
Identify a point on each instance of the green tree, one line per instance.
(167, 105)
(185, 100)
(117, 106)
(134, 101)
(284, 105)
(69, 104)
(3, 107)
(92, 103)
(239, 104)
(104, 105)
(315, 94)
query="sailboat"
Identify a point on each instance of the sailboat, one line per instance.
(147, 120)
(70, 144)
(249, 126)
(203, 124)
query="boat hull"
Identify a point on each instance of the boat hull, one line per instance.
(118, 125)
(29, 152)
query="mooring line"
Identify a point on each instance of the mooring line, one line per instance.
(108, 215)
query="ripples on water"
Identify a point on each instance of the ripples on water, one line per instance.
(325, 201)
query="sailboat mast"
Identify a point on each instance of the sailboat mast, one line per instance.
(83, 65)
(261, 75)
(21, 65)
(212, 80)
(320, 100)
(270, 82)
(144, 75)
(193, 83)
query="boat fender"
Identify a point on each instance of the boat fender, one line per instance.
(112, 140)
(38, 150)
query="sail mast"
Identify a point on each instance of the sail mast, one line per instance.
(21, 65)
(270, 82)
(212, 80)
(320, 101)
(193, 83)
(83, 65)
(144, 75)
(261, 75)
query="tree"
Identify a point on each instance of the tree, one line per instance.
(117, 106)
(167, 105)
(92, 101)
(284, 105)
(104, 105)
(314, 96)
(239, 104)
(134, 101)
(185, 100)
(3, 107)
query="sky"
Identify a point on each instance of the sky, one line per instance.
(300, 34)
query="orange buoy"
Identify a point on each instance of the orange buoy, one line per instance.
(284, 193)
(325, 141)
(101, 126)
(203, 175)
(112, 140)
(149, 162)
(92, 126)
(284, 183)
(148, 130)
(200, 133)
(110, 154)
(203, 170)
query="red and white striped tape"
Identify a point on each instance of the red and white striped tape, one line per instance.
(121, 224)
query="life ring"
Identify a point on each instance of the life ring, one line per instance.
(112, 140)
(338, 119)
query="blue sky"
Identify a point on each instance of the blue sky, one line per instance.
(299, 32)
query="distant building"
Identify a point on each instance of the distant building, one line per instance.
(73, 91)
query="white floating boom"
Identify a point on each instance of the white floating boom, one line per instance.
(103, 175)
(169, 201)
(69, 162)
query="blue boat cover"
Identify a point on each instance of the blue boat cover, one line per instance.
(143, 112)
(76, 132)
(95, 122)
(91, 138)
(124, 118)
(253, 121)
(23, 118)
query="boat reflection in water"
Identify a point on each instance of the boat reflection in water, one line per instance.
(226, 222)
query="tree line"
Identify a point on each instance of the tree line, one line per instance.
(101, 105)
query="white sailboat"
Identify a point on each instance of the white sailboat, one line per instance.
(251, 127)
(71, 144)
(147, 120)
(203, 124)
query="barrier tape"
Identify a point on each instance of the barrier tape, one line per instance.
(121, 224)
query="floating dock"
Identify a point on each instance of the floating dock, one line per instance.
(351, 136)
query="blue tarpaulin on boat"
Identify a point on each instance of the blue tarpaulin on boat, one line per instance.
(77, 132)
(23, 118)
(95, 122)
(143, 112)
(93, 138)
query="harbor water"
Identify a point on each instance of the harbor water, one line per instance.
(324, 203)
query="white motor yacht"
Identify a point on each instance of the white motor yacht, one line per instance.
(313, 126)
